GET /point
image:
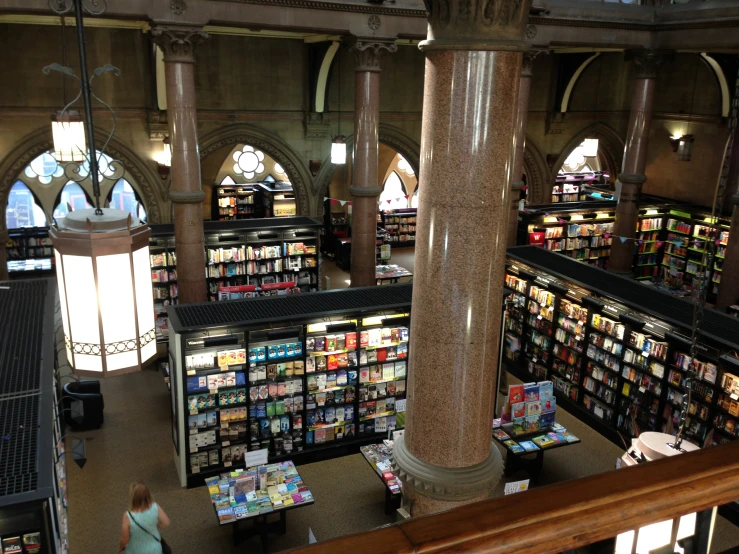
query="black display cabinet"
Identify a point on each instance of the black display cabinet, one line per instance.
(305, 377)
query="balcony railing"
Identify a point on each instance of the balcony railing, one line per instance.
(567, 515)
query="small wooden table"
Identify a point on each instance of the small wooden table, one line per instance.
(374, 453)
(517, 460)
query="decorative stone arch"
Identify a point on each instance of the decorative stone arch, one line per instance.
(537, 172)
(271, 144)
(610, 147)
(147, 182)
(387, 135)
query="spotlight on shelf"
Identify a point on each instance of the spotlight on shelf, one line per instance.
(104, 281)
(68, 131)
(338, 150)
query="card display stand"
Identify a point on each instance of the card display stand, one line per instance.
(277, 373)
(617, 351)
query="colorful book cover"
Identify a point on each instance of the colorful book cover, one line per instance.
(543, 441)
(546, 389)
(546, 420)
(548, 405)
(341, 378)
(388, 371)
(400, 369)
(351, 341)
(533, 408)
(529, 446)
(530, 392)
(513, 446)
(515, 394)
(518, 409)
(518, 426)
(500, 435)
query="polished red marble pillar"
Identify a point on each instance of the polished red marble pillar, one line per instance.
(365, 189)
(185, 192)
(635, 156)
(522, 117)
(473, 65)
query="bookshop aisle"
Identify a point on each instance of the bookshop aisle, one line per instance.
(404, 257)
(135, 443)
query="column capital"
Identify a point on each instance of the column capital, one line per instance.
(178, 41)
(476, 25)
(368, 51)
(528, 60)
(648, 60)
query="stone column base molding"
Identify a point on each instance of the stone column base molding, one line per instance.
(454, 484)
(638, 179)
(516, 186)
(178, 197)
(365, 192)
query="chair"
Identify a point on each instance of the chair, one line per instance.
(87, 393)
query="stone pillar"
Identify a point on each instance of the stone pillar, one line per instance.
(520, 141)
(473, 66)
(728, 292)
(365, 189)
(635, 156)
(185, 192)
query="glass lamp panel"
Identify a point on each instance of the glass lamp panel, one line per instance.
(82, 309)
(144, 300)
(63, 299)
(338, 153)
(69, 141)
(115, 293)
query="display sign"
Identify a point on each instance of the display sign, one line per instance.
(516, 486)
(255, 457)
(537, 238)
(400, 405)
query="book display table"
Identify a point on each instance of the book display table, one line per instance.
(391, 273)
(378, 456)
(254, 493)
(518, 446)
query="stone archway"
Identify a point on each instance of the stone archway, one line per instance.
(271, 144)
(387, 135)
(147, 182)
(610, 148)
(537, 174)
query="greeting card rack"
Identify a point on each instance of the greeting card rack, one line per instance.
(306, 377)
(618, 352)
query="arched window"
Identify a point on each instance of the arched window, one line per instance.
(414, 199)
(123, 197)
(228, 180)
(393, 195)
(71, 195)
(23, 209)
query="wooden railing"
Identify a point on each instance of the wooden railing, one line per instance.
(563, 516)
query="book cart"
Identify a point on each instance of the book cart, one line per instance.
(33, 490)
(306, 377)
(245, 259)
(618, 351)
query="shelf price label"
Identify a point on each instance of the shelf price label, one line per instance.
(213, 391)
(194, 450)
(227, 464)
(191, 372)
(194, 412)
(196, 469)
(226, 443)
(193, 431)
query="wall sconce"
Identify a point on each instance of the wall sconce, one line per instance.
(683, 146)
(164, 160)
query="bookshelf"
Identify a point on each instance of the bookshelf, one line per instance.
(276, 374)
(278, 199)
(29, 252)
(400, 226)
(568, 192)
(244, 259)
(648, 254)
(235, 201)
(619, 360)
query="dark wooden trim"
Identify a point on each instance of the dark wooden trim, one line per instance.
(566, 515)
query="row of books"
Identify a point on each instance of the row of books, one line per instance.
(164, 259)
(28, 543)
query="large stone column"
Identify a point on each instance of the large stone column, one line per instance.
(520, 140)
(185, 192)
(635, 156)
(365, 189)
(473, 65)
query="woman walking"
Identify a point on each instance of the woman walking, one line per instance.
(141, 523)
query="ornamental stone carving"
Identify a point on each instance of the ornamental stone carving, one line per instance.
(373, 22)
(476, 24)
(367, 53)
(528, 60)
(648, 60)
(178, 7)
(178, 43)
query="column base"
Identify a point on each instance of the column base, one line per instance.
(432, 488)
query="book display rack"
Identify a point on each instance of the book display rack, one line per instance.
(618, 353)
(648, 231)
(568, 192)
(29, 250)
(245, 259)
(237, 202)
(400, 226)
(278, 199)
(276, 373)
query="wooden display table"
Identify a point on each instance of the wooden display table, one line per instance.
(378, 456)
(390, 273)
